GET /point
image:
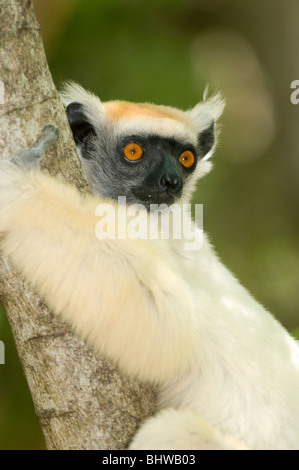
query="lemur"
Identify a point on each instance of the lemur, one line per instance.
(227, 371)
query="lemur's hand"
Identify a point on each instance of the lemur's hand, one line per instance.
(14, 184)
(32, 156)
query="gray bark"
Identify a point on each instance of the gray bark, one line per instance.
(81, 400)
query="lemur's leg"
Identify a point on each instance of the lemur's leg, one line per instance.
(182, 429)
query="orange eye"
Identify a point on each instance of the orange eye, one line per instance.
(133, 151)
(187, 159)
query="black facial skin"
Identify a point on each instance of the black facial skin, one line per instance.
(162, 174)
(156, 178)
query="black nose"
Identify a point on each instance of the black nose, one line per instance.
(172, 182)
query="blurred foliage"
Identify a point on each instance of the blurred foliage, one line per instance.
(166, 51)
(131, 49)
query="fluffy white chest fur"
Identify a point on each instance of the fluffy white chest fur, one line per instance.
(245, 379)
(228, 372)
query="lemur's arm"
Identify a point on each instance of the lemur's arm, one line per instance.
(103, 288)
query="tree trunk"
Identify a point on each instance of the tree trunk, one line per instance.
(81, 400)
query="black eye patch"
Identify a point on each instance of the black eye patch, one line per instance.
(156, 148)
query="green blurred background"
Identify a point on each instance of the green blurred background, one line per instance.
(166, 52)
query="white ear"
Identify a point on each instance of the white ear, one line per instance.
(207, 112)
(93, 108)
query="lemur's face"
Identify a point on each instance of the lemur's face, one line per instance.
(149, 154)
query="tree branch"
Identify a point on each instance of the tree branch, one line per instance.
(81, 400)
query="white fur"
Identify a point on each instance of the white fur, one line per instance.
(182, 429)
(224, 365)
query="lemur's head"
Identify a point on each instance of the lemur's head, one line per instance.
(149, 154)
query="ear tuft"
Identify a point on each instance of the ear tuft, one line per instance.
(207, 112)
(72, 91)
(203, 117)
(91, 105)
